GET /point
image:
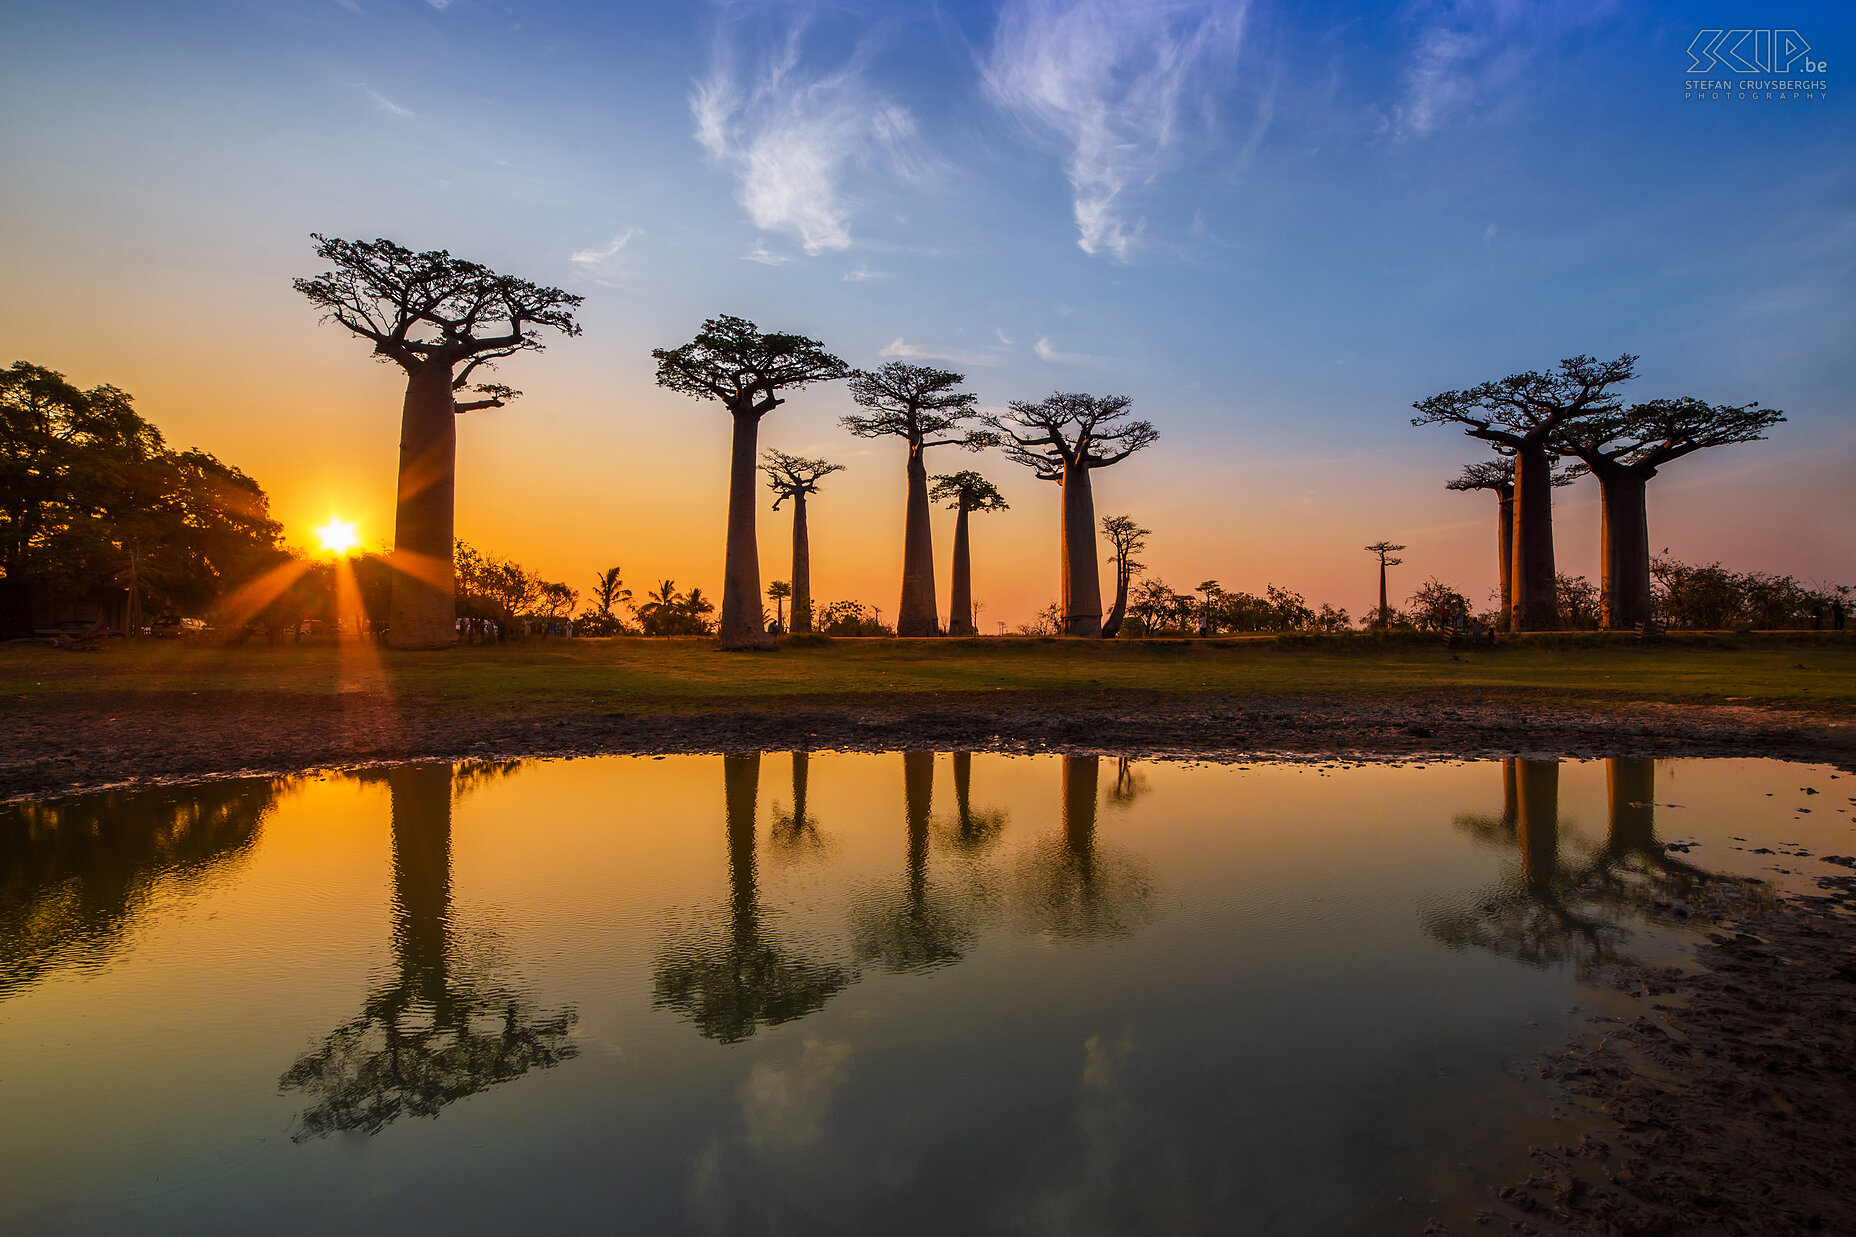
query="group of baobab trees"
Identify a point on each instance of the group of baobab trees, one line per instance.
(443, 320)
(1535, 419)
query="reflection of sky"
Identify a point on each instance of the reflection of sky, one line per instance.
(1273, 227)
(1278, 1029)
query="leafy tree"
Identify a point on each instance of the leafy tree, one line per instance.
(1520, 414)
(777, 593)
(554, 601)
(795, 477)
(1385, 550)
(1159, 608)
(442, 320)
(1125, 539)
(666, 612)
(1624, 449)
(965, 492)
(916, 403)
(1433, 604)
(1064, 439)
(733, 362)
(1497, 477)
(1581, 603)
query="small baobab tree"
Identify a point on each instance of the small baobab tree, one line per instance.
(442, 320)
(1497, 476)
(916, 403)
(1064, 439)
(731, 360)
(1520, 414)
(965, 492)
(1385, 550)
(1624, 449)
(794, 477)
(1125, 538)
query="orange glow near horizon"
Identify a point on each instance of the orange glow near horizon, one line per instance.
(337, 537)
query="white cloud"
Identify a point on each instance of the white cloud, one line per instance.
(862, 273)
(791, 136)
(1470, 55)
(1110, 80)
(1047, 351)
(1003, 337)
(765, 256)
(386, 103)
(900, 349)
(596, 259)
(1488, 233)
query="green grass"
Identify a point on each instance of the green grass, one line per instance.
(629, 675)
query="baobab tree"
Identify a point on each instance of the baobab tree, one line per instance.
(732, 361)
(442, 320)
(915, 403)
(794, 477)
(777, 593)
(1385, 550)
(1497, 476)
(1520, 414)
(1126, 538)
(1624, 449)
(1065, 438)
(965, 492)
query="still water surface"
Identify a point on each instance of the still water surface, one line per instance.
(905, 993)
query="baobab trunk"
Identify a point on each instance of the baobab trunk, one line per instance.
(1630, 785)
(960, 605)
(1625, 554)
(1082, 584)
(801, 760)
(1385, 618)
(802, 567)
(1504, 536)
(740, 792)
(918, 802)
(421, 827)
(1112, 624)
(916, 616)
(1080, 777)
(742, 625)
(1537, 823)
(1536, 594)
(422, 611)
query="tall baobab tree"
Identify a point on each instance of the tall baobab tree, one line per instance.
(915, 403)
(442, 320)
(1624, 449)
(1065, 438)
(794, 477)
(1125, 538)
(731, 360)
(965, 492)
(1385, 550)
(1497, 476)
(1520, 415)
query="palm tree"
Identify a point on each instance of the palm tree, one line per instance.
(777, 593)
(965, 492)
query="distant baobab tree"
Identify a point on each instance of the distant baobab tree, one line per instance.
(1385, 550)
(777, 593)
(1624, 449)
(732, 361)
(1497, 476)
(965, 492)
(915, 403)
(1125, 538)
(794, 477)
(1065, 438)
(1520, 414)
(441, 319)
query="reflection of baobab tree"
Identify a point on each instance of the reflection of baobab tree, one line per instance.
(441, 1028)
(1635, 872)
(926, 926)
(1534, 914)
(794, 830)
(1129, 785)
(732, 987)
(75, 875)
(1073, 885)
(971, 830)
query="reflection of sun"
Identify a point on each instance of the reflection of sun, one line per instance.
(337, 536)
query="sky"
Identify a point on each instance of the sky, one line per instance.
(1273, 226)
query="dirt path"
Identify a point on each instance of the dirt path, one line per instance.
(60, 744)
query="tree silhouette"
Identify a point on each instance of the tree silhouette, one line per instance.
(1497, 476)
(1520, 414)
(915, 403)
(925, 927)
(1385, 550)
(1125, 538)
(439, 1029)
(965, 492)
(1072, 886)
(1624, 449)
(732, 361)
(609, 590)
(777, 593)
(794, 477)
(441, 319)
(731, 988)
(1064, 439)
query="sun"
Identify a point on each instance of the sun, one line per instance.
(337, 536)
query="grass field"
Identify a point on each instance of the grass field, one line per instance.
(676, 675)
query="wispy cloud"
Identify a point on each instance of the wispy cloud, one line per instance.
(1472, 54)
(385, 102)
(862, 273)
(1111, 80)
(766, 256)
(900, 349)
(1047, 351)
(606, 260)
(790, 135)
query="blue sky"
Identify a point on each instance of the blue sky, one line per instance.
(1274, 226)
